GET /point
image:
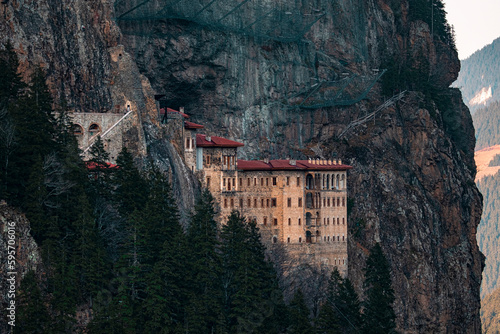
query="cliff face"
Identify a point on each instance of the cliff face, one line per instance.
(413, 178)
(27, 255)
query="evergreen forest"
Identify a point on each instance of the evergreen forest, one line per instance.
(112, 243)
(488, 232)
(479, 71)
(487, 125)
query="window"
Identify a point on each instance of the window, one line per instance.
(267, 182)
(232, 203)
(248, 182)
(343, 201)
(324, 202)
(299, 221)
(208, 160)
(234, 182)
(338, 201)
(267, 203)
(208, 182)
(338, 237)
(273, 202)
(324, 238)
(275, 240)
(328, 202)
(300, 239)
(94, 128)
(298, 181)
(262, 203)
(300, 202)
(274, 181)
(289, 202)
(289, 221)
(224, 182)
(265, 221)
(192, 143)
(229, 184)
(249, 203)
(328, 221)
(188, 142)
(241, 182)
(77, 130)
(261, 181)
(338, 221)
(255, 202)
(288, 180)
(255, 181)
(275, 221)
(225, 202)
(241, 202)
(328, 238)
(343, 238)
(288, 240)
(343, 220)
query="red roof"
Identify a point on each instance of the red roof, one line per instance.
(93, 165)
(172, 111)
(191, 125)
(285, 165)
(201, 141)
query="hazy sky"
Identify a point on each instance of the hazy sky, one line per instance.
(476, 22)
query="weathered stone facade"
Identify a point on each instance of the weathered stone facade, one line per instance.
(110, 126)
(293, 202)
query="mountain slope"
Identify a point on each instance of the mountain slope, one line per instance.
(487, 125)
(490, 313)
(478, 79)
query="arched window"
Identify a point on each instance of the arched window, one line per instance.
(337, 184)
(288, 240)
(94, 129)
(289, 221)
(275, 239)
(309, 201)
(300, 239)
(308, 237)
(309, 182)
(77, 130)
(308, 218)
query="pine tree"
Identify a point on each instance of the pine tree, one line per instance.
(33, 119)
(32, 314)
(343, 300)
(327, 321)
(300, 322)
(131, 190)
(11, 83)
(205, 303)
(165, 265)
(378, 316)
(11, 87)
(248, 279)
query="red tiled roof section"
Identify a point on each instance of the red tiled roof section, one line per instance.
(285, 165)
(169, 110)
(201, 141)
(191, 125)
(93, 165)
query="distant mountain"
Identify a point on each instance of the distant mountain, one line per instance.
(490, 313)
(488, 232)
(479, 78)
(487, 125)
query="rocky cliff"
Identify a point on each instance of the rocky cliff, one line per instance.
(412, 184)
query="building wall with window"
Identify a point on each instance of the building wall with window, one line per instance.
(87, 126)
(300, 207)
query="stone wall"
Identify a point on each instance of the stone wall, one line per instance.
(88, 126)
